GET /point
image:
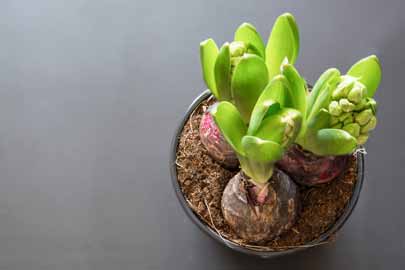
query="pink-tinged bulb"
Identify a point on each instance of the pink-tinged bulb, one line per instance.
(215, 143)
(308, 169)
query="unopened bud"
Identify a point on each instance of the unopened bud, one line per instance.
(361, 105)
(362, 139)
(334, 108)
(337, 126)
(343, 88)
(363, 117)
(370, 125)
(237, 48)
(346, 105)
(334, 120)
(353, 129)
(344, 116)
(356, 94)
(348, 120)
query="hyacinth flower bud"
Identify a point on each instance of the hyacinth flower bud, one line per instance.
(343, 89)
(237, 48)
(337, 126)
(370, 125)
(361, 105)
(334, 121)
(346, 105)
(353, 129)
(362, 139)
(344, 116)
(334, 108)
(356, 94)
(364, 117)
(348, 120)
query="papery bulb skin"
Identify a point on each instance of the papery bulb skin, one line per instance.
(256, 214)
(215, 143)
(309, 169)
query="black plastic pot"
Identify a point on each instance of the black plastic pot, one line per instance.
(264, 254)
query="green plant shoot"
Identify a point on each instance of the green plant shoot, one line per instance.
(273, 127)
(340, 111)
(239, 71)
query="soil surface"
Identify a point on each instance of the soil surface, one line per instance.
(202, 182)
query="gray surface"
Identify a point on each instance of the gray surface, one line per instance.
(90, 93)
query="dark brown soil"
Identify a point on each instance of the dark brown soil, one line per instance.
(202, 182)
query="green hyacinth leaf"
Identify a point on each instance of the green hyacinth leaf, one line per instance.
(372, 104)
(208, 56)
(249, 79)
(284, 41)
(281, 127)
(322, 102)
(222, 72)
(271, 99)
(320, 86)
(368, 70)
(253, 50)
(247, 33)
(262, 150)
(232, 127)
(297, 88)
(320, 121)
(334, 142)
(272, 128)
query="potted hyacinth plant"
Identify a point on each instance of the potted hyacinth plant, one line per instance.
(226, 70)
(253, 148)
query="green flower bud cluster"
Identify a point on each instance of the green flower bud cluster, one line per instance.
(237, 49)
(352, 110)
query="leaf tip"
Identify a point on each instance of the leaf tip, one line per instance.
(287, 15)
(205, 42)
(247, 25)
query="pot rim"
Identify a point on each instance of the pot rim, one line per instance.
(348, 210)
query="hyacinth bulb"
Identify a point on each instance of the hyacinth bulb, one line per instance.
(212, 139)
(260, 213)
(309, 169)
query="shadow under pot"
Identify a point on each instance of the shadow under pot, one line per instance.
(309, 169)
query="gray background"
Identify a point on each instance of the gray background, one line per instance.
(90, 95)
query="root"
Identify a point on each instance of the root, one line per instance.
(181, 166)
(360, 150)
(210, 97)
